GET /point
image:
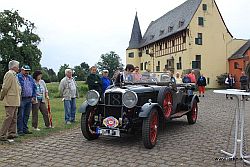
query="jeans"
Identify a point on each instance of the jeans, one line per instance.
(70, 109)
(23, 115)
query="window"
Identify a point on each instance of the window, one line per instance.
(200, 21)
(161, 32)
(158, 66)
(170, 28)
(236, 65)
(140, 54)
(181, 23)
(173, 42)
(131, 55)
(197, 63)
(147, 51)
(179, 66)
(141, 66)
(204, 7)
(145, 65)
(198, 41)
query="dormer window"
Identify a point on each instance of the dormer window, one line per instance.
(170, 28)
(152, 36)
(181, 23)
(161, 32)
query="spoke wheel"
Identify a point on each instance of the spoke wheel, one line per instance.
(193, 114)
(168, 104)
(150, 129)
(87, 122)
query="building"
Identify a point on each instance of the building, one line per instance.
(240, 61)
(191, 36)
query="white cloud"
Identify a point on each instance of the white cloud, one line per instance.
(77, 30)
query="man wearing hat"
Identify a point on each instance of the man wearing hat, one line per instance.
(105, 80)
(27, 96)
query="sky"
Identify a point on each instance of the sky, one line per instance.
(76, 31)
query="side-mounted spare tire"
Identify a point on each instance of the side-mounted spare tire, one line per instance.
(87, 122)
(165, 100)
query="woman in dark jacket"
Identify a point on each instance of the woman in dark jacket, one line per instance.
(201, 83)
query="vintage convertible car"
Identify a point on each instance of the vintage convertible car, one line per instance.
(144, 105)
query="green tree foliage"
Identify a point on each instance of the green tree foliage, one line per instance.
(109, 61)
(52, 75)
(46, 76)
(79, 73)
(18, 41)
(221, 79)
(61, 72)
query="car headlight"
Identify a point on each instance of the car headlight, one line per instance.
(92, 97)
(129, 99)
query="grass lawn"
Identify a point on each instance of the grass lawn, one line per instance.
(57, 111)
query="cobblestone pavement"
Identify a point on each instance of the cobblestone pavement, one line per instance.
(179, 144)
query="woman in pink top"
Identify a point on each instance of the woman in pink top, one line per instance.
(191, 76)
(136, 74)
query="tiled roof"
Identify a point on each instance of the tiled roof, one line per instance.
(172, 22)
(135, 35)
(241, 52)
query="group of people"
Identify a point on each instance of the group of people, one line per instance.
(230, 82)
(21, 93)
(100, 84)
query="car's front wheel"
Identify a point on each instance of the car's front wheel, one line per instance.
(192, 115)
(87, 122)
(150, 129)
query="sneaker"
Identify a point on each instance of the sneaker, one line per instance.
(12, 137)
(28, 132)
(36, 129)
(68, 122)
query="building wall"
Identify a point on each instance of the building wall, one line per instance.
(243, 65)
(214, 40)
(217, 46)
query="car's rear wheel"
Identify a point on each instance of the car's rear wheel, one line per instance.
(193, 114)
(165, 100)
(150, 129)
(87, 122)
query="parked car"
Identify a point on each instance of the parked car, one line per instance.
(144, 105)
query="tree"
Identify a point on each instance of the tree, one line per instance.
(18, 41)
(109, 61)
(79, 73)
(46, 76)
(61, 72)
(52, 75)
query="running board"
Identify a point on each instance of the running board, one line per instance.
(178, 114)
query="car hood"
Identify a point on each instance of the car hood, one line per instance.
(135, 88)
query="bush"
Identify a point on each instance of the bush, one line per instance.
(221, 79)
(54, 92)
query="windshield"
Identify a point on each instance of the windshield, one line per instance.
(147, 77)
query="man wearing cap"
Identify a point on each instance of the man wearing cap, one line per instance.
(27, 96)
(105, 80)
(10, 94)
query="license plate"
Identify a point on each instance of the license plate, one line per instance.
(110, 132)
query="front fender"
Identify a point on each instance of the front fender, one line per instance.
(146, 108)
(194, 98)
(83, 107)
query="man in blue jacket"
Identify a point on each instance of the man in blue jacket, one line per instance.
(28, 95)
